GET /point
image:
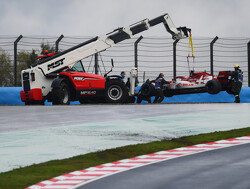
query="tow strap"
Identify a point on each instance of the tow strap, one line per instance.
(191, 49)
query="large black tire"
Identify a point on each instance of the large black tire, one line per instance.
(116, 92)
(61, 95)
(213, 87)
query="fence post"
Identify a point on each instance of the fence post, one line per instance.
(248, 58)
(136, 50)
(212, 54)
(174, 57)
(15, 59)
(96, 63)
(57, 42)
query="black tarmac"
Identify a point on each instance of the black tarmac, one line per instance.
(224, 168)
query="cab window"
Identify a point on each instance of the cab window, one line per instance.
(78, 67)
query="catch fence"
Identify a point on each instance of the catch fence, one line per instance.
(151, 55)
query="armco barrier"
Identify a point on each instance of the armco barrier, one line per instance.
(11, 96)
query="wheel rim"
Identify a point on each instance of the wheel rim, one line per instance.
(65, 95)
(115, 92)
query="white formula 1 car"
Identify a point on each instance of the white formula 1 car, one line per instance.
(196, 82)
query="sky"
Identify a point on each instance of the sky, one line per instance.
(223, 18)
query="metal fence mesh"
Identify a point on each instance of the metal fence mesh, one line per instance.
(155, 55)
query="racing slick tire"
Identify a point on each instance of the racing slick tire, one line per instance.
(116, 92)
(146, 89)
(61, 95)
(213, 87)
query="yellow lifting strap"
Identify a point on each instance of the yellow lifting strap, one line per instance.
(192, 49)
(191, 46)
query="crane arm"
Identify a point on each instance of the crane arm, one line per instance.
(71, 56)
(121, 34)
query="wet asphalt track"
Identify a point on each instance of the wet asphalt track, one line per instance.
(35, 134)
(21, 118)
(222, 168)
(18, 118)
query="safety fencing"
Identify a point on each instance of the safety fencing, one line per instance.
(151, 55)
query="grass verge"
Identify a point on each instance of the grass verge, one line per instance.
(24, 177)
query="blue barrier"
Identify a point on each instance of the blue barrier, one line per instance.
(11, 96)
(222, 97)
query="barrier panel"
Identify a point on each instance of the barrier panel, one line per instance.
(11, 96)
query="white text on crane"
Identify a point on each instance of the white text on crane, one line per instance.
(55, 64)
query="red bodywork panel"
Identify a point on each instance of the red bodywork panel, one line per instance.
(196, 76)
(223, 77)
(82, 80)
(33, 94)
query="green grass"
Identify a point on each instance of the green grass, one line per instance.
(24, 177)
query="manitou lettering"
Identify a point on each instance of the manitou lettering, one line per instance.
(55, 64)
(79, 78)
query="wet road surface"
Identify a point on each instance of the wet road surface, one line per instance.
(35, 134)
